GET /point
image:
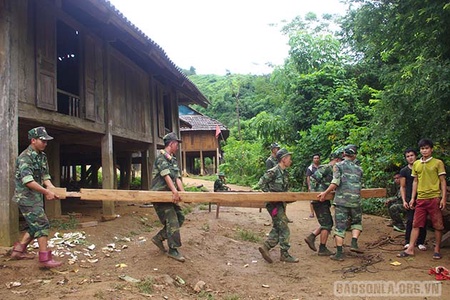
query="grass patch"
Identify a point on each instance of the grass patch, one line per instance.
(146, 285)
(203, 206)
(247, 235)
(70, 224)
(187, 209)
(205, 295)
(190, 188)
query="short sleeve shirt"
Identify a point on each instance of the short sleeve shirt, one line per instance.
(310, 170)
(347, 176)
(165, 164)
(31, 166)
(427, 173)
(406, 173)
(275, 180)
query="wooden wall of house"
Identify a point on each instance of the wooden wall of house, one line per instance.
(131, 94)
(199, 140)
(26, 52)
(130, 99)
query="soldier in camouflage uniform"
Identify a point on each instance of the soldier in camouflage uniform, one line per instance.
(320, 181)
(395, 207)
(309, 171)
(271, 161)
(276, 180)
(167, 177)
(347, 177)
(220, 183)
(32, 180)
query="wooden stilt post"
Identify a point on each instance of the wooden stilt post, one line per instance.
(83, 175)
(53, 208)
(217, 160)
(145, 170)
(108, 166)
(127, 171)
(9, 213)
(184, 163)
(108, 173)
(202, 169)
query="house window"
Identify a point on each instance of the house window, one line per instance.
(68, 69)
(167, 113)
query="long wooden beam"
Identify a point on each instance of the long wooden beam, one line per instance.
(200, 197)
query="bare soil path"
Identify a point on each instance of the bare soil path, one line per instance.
(220, 253)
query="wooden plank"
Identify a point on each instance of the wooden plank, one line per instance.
(202, 197)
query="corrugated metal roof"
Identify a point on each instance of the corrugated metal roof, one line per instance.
(201, 122)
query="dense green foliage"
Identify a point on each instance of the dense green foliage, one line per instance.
(380, 82)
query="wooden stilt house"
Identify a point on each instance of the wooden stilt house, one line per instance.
(101, 87)
(201, 137)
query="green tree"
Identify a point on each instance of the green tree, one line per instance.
(405, 43)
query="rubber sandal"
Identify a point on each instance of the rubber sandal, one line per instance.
(437, 255)
(404, 254)
(422, 247)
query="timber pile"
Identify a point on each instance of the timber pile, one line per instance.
(201, 197)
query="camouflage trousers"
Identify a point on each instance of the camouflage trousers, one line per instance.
(280, 232)
(345, 216)
(323, 214)
(38, 224)
(397, 212)
(172, 218)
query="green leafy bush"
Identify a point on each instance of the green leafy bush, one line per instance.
(374, 206)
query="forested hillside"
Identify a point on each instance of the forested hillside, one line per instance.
(378, 77)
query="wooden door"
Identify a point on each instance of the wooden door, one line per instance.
(46, 56)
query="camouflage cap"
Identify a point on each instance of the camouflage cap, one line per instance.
(171, 137)
(220, 174)
(282, 153)
(274, 145)
(337, 153)
(39, 133)
(351, 150)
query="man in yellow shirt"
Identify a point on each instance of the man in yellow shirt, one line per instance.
(428, 196)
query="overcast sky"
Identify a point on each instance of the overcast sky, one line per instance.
(218, 35)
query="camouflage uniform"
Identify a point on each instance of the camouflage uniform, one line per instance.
(347, 176)
(32, 166)
(276, 180)
(219, 186)
(397, 210)
(320, 181)
(169, 214)
(271, 162)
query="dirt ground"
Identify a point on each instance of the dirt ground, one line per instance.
(223, 261)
